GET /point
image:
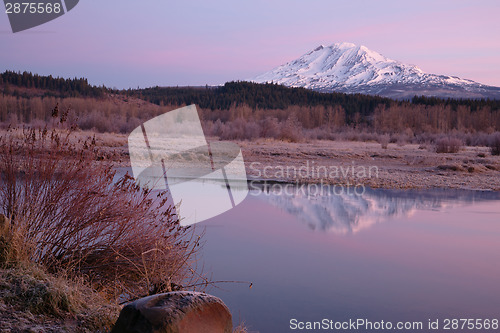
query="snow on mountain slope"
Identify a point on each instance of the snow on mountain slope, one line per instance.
(346, 67)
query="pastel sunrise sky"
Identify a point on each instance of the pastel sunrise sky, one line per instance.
(126, 43)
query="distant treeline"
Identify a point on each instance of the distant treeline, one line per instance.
(242, 110)
(254, 95)
(274, 96)
(259, 96)
(358, 108)
(473, 104)
(51, 86)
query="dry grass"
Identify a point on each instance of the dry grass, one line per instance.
(30, 298)
(78, 136)
(243, 328)
(69, 214)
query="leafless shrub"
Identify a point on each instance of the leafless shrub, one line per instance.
(409, 134)
(349, 135)
(368, 136)
(425, 138)
(384, 140)
(321, 133)
(401, 140)
(269, 128)
(448, 145)
(494, 143)
(238, 129)
(97, 121)
(251, 130)
(404, 138)
(476, 139)
(423, 146)
(213, 128)
(68, 213)
(291, 130)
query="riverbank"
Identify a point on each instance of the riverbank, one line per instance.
(409, 166)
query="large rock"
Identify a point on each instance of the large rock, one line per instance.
(175, 312)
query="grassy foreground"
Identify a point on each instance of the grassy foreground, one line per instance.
(76, 240)
(32, 300)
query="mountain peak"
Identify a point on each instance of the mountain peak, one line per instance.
(343, 45)
(351, 68)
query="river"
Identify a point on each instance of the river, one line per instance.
(374, 255)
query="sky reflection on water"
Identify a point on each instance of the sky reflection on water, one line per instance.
(384, 255)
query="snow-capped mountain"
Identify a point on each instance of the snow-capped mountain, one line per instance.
(346, 67)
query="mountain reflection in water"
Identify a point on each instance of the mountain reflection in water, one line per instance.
(349, 211)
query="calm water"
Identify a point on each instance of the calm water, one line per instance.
(384, 255)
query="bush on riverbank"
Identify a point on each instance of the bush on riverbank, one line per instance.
(448, 145)
(68, 213)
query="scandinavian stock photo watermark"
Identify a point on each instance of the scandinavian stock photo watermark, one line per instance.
(366, 325)
(171, 153)
(310, 179)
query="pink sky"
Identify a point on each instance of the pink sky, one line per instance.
(128, 43)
